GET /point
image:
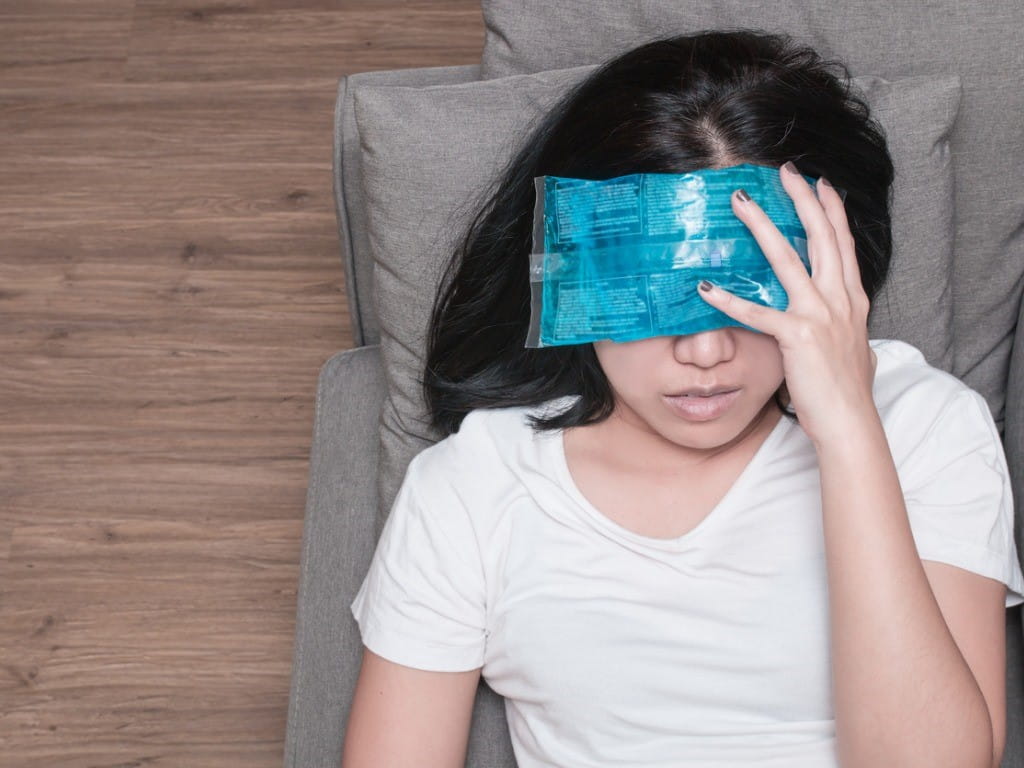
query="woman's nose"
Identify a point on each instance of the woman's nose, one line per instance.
(705, 349)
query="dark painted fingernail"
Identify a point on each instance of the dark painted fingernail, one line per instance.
(826, 182)
(704, 285)
(788, 165)
(742, 195)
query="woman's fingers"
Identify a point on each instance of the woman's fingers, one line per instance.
(757, 316)
(832, 289)
(784, 260)
(835, 209)
(823, 244)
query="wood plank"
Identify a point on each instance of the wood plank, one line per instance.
(102, 125)
(180, 40)
(52, 41)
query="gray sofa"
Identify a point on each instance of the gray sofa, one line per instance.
(344, 513)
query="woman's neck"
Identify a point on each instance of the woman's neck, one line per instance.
(626, 442)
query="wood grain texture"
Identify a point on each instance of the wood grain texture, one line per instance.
(170, 284)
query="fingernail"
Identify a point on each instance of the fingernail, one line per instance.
(704, 285)
(788, 165)
(826, 182)
(742, 195)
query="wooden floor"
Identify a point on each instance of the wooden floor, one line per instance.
(170, 284)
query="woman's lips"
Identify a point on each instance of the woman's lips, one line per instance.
(697, 408)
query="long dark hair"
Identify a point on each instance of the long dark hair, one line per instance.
(669, 106)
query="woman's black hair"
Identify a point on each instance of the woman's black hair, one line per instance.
(669, 106)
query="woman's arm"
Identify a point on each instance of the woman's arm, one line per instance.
(905, 693)
(408, 718)
(916, 664)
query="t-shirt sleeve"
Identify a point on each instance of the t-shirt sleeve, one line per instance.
(959, 501)
(422, 602)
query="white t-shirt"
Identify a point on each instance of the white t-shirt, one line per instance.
(711, 649)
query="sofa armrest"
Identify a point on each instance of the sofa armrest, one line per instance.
(1013, 440)
(338, 542)
(1013, 429)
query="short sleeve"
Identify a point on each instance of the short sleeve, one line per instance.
(422, 602)
(959, 501)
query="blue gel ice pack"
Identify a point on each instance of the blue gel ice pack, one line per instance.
(621, 258)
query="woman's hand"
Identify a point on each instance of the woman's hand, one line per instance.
(828, 364)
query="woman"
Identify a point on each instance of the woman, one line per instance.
(653, 574)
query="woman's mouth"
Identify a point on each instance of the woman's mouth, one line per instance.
(700, 408)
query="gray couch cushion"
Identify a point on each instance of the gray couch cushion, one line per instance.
(348, 193)
(981, 40)
(428, 152)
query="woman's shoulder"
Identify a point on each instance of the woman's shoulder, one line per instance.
(913, 397)
(905, 379)
(491, 443)
(504, 428)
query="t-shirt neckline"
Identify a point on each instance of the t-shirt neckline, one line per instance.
(565, 480)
